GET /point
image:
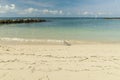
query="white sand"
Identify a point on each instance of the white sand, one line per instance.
(60, 62)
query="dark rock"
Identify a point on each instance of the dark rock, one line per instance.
(25, 20)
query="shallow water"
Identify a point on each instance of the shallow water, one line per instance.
(84, 29)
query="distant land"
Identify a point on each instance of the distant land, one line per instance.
(112, 18)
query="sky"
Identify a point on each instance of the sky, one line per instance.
(60, 8)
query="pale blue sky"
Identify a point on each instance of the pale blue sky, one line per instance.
(60, 8)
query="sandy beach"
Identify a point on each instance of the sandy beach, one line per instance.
(60, 62)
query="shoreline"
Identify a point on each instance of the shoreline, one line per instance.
(52, 41)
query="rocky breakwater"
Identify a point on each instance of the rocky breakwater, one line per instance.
(25, 20)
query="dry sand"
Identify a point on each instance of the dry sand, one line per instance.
(60, 62)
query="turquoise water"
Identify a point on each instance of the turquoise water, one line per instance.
(85, 29)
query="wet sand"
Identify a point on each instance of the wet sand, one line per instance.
(60, 62)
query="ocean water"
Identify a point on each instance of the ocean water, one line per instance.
(83, 29)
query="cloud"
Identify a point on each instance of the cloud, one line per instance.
(60, 12)
(27, 11)
(46, 11)
(7, 8)
(91, 13)
(12, 6)
(86, 13)
(40, 4)
(39, 11)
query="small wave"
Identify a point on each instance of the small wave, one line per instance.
(33, 40)
(13, 39)
(46, 41)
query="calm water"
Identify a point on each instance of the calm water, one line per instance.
(65, 28)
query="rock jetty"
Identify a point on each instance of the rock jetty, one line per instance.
(15, 21)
